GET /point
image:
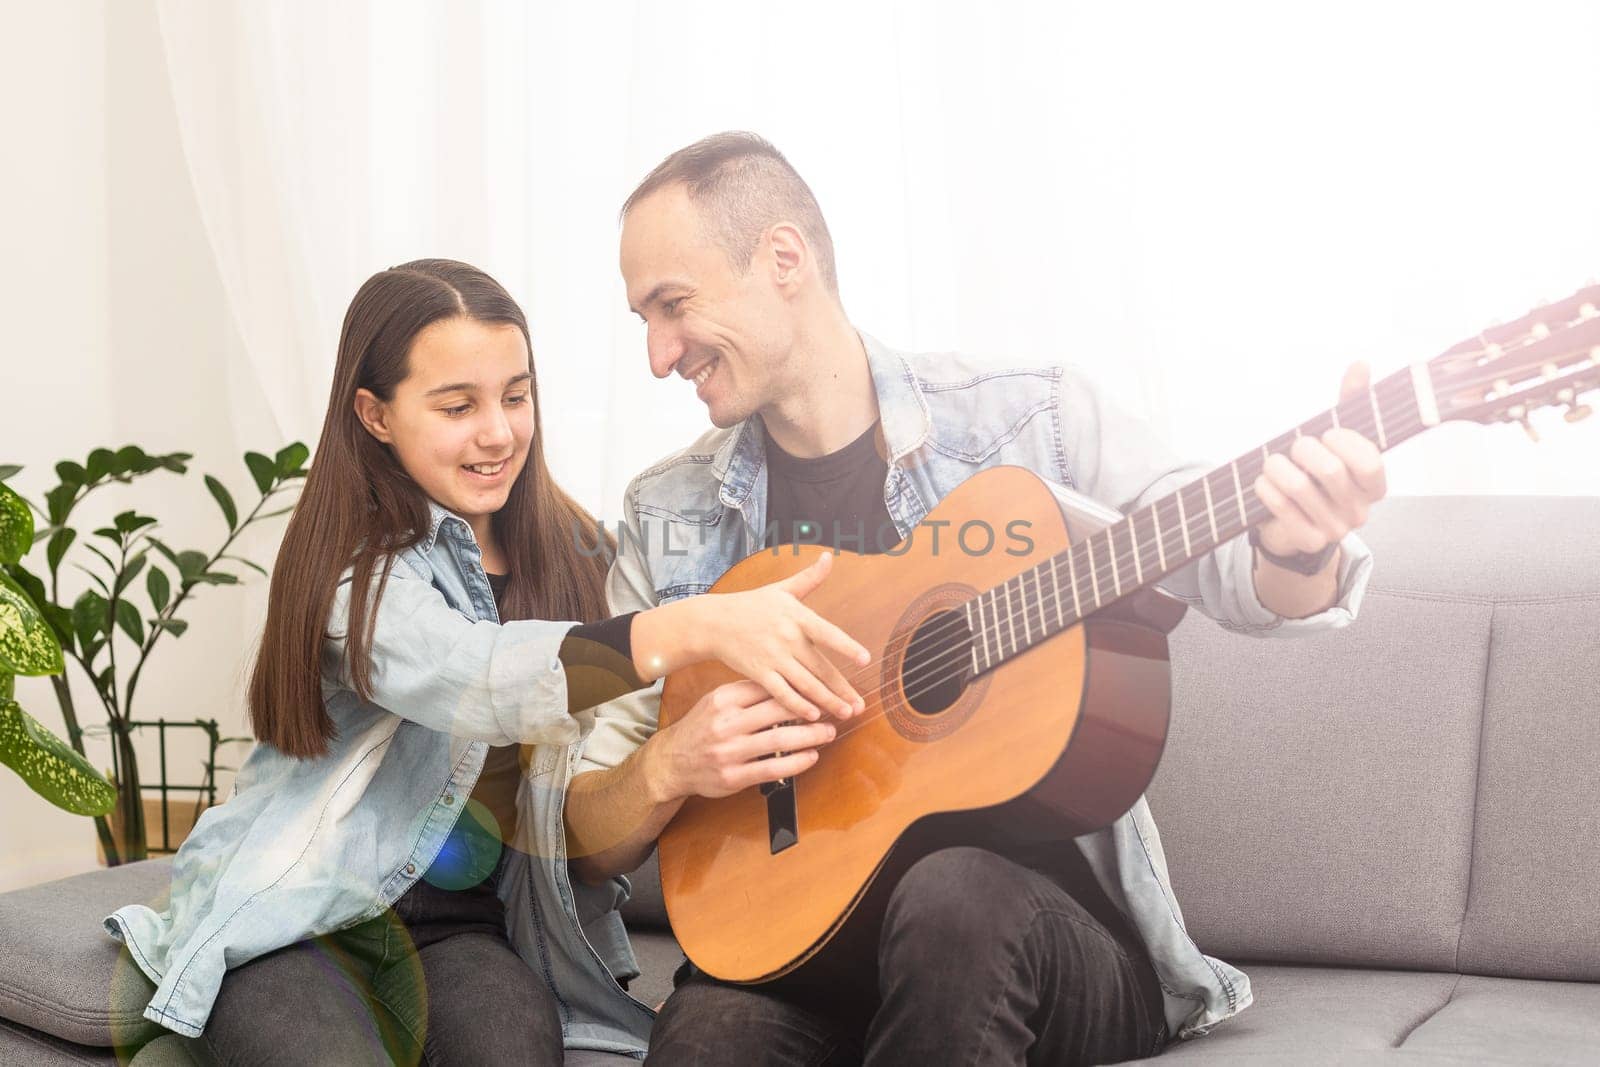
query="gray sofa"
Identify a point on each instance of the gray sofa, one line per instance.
(1395, 828)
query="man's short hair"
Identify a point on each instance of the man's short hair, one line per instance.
(741, 185)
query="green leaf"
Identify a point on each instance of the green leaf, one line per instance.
(127, 458)
(158, 587)
(27, 644)
(16, 526)
(100, 461)
(129, 521)
(88, 618)
(128, 619)
(262, 469)
(49, 765)
(60, 541)
(173, 626)
(190, 564)
(291, 458)
(8, 686)
(7, 470)
(176, 462)
(224, 501)
(103, 557)
(129, 573)
(71, 473)
(58, 503)
(92, 650)
(217, 578)
(59, 618)
(102, 683)
(161, 547)
(252, 565)
(100, 583)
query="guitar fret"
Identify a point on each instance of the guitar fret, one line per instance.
(1116, 578)
(983, 631)
(1183, 524)
(1072, 574)
(1133, 539)
(1238, 492)
(1055, 588)
(1011, 619)
(1377, 419)
(1211, 515)
(1022, 593)
(1161, 549)
(1094, 578)
(994, 610)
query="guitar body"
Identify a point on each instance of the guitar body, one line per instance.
(1055, 742)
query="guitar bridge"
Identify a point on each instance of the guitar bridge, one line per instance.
(783, 828)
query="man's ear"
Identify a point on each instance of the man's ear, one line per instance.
(790, 255)
(374, 415)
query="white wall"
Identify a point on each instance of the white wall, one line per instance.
(108, 275)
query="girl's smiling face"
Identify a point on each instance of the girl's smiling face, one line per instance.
(462, 420)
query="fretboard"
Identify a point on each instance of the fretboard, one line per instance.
(1156, 539)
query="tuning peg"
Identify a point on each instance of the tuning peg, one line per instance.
(1587, 311)
(1532, 433)
(1540, 331)
(1578, 412)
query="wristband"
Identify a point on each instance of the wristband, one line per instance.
(1307, 563)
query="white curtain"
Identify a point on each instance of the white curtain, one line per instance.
(1210, 207)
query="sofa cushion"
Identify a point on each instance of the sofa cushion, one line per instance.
(1533, 911)
(1321, 799)
(1315, 797)
(62, 974)
(63, 978)
(1308, 1015)
(20, 1045)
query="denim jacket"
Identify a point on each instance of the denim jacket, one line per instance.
(945, 418)
(307, 847)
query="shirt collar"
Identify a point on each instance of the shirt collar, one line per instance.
(902, 412)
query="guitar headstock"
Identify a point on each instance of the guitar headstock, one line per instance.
(1550, 356)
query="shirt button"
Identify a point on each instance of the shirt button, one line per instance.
(449, 799)
(555, 665)
(411, 868)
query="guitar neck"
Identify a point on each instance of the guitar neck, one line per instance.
(1154, 540)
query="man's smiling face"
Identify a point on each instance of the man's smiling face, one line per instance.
(724, 330)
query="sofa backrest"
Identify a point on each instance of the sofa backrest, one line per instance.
(1420, 789)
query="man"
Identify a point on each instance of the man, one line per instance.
(1051, 955)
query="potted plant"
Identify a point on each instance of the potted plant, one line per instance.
(105, 630)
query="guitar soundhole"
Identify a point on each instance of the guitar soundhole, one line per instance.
(937, 662)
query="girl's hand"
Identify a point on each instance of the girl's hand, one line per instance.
(765, 634)
(770, 637)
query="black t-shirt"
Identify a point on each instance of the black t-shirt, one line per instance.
(834, 500)
(838, 500)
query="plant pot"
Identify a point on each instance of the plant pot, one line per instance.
(181, 816)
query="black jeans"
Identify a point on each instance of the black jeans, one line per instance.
(431, 982)
(982, 960)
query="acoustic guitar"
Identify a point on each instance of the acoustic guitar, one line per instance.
(973, 732)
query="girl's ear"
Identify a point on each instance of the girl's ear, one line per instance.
(374, 415)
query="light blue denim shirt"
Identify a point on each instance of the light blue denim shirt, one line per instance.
(945, 418)
(306, 847)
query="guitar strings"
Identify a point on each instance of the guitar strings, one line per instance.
(956, 652)
(1117, 562)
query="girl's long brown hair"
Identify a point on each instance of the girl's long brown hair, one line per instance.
(359, 507)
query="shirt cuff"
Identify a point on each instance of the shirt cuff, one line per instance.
(1355, 568)
(598, 661)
